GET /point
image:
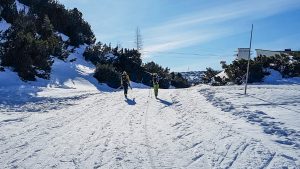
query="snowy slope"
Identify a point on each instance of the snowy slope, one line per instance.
(64, 74)
(200, 127)
(66, 77)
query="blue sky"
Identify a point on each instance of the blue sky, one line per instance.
(193, 34)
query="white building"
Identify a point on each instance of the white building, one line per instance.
(268, 53)
(242, 53)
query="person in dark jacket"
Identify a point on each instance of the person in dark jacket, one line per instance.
(155, 81)
(125, 82)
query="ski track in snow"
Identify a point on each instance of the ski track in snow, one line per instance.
(181, 129)
(269, 124)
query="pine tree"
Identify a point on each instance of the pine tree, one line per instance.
(209, 74)
(28, 50)
(9, 10)
(47, 28)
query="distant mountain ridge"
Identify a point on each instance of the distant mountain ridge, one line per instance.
(193, 77)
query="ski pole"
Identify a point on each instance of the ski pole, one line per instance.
(117, 89)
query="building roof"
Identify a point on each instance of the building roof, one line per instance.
(286, 50)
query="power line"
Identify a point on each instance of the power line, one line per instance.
(178, 53)
(190, 54)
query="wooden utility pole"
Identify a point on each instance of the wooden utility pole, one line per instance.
(248, 65)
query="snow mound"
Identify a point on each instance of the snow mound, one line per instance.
(138, 85)
(10, 78)
(110, 57)
(22, 7)
(63, 36)
(275, 77)
(74, 73)
(69, 80)
(4, 25)
(222, 75)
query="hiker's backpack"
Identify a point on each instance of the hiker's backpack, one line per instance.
(124, 79)
(155, 79)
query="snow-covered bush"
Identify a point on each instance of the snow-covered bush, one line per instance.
(27, 53)
(237, 70)
(209, 74)
(178, 81)
(67, 21)
(9, 10)
(105, 73)
(287, 65)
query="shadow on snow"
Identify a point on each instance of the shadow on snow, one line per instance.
(167, 103)
(130, 101)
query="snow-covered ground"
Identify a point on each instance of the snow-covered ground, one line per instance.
(200, 127)
(71, 121)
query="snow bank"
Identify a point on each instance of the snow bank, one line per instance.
(275, 77)
(22, 7)
(63, 36)
(62, 73)
(74, 74)
(222, 75)
(4, 25)
(110, 56)
(138, 85)
(9, 78)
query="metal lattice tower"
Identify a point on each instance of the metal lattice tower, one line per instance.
(138, 40)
